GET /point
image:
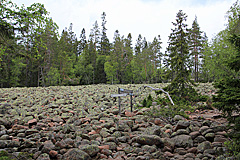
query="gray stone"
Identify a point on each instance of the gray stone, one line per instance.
(48, 146)
(155, 130)
(203, 146)
(91, 150)
(149, 149)
(199, 139)
(194, 134)
(203, 128)
(178, 117)
(210, 137)
(182, 125)
(182, 131)
(183, 141)
(149, 140)
(43, 156)
(76, 154)
(104, 133)
(207, 131)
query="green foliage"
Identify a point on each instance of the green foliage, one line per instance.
(147, 102)
(233, 148)
(227, 99)
(4, 156)
(179, 61)
(170, 111)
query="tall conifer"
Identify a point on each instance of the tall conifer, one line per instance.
(179, 58)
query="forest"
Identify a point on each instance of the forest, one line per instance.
(33, 53)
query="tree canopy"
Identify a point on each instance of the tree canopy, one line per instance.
(33, 53)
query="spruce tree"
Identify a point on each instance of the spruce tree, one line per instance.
(179, 59)
(227, 98)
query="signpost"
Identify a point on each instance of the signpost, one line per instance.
(124, 92)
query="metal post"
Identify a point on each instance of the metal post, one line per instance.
(119, 102)
(131, 101)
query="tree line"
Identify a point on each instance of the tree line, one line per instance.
(33, 53)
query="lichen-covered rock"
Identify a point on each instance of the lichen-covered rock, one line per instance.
(149, 140)
(91, 150)
(183, 141)
(155, 130)
(43, 156)
(48, 146)
(178, 117)
(76, 154)
(182, 125)
(203, 146)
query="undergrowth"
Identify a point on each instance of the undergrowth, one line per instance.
(182, 105)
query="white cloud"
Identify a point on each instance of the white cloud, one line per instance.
(148, 18)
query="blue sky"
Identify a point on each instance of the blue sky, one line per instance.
(146, 17)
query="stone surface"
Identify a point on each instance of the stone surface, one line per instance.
(149, 140)
(76, 154)
(183, 141)
(67, 123)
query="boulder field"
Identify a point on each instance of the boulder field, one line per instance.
(55, 125)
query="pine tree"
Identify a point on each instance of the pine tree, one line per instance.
(179, 58)
(156, 57)
(196, 47)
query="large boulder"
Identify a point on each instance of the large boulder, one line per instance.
(149, 140)
(183, 141)
(91, 150)
(76, 154)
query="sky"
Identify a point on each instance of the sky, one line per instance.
(149, 18)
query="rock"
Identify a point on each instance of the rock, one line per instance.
(183, 141)
(182, 125)
(199, 139)
(168, 154)
(76, 154)
(203, 146)
(149, 140)
(189, 155)
(210, 137)
(53, 153)
(48, 146)
(180, 151)
(207, 131)
(104, 133)
(149, 149)
(104, 147)
(111, 145)
(178, 117)
(192, 150)
(203, 128)
(220, 138)
(106, 152)
(43, 156)
(182, 131)
(61, 144)
(209, 151)
(32, 122)
(31, 131)
(91, 150)
(155, 130)
(3, 144)
(206, 123)
(194, 134)
(158, 121)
